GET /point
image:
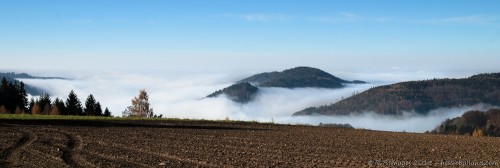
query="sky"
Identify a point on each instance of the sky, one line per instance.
(182, 50)
(222, 35)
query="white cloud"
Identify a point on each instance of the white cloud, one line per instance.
(182, 95)
(409, 122)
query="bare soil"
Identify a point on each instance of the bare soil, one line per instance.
(64, 143)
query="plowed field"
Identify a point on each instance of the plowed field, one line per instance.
(53, 143)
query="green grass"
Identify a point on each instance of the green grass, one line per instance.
(64, 117)
(52, 117)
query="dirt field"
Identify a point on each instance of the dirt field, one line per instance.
(211, 144)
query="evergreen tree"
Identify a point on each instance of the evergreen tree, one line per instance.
(31, 105)
(98, 109)
(5, 83)
(107, 113)
(44, 103)
(23, 100)
(73, 104)
(61, 107)
(3, 96)
(90, 106)
(7, 96)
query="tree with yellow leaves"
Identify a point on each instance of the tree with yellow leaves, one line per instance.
(140, 107)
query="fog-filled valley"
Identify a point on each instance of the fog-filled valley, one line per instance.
(182, 95)
(127, 83)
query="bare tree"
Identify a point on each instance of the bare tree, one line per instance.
(140, 107)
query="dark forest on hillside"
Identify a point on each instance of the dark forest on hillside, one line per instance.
(418, 96)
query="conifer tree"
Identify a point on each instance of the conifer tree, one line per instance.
(61, 107)
(31, 105)
(90, 106)
(107, 113)
(23, 97)
(73, 104)
(98, 109)
(44, 103)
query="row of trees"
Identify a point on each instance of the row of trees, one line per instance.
(14, 100)
(72, 106)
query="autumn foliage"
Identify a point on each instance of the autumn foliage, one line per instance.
(475, 123)
(140, 107)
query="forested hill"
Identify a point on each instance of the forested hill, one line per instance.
(240, 92)
(25, 76)
(418, 96)
(297, 77)
(244, 90)
(29, 89)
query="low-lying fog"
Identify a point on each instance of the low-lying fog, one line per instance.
(181, 95)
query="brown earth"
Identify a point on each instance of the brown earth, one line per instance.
(219, 144)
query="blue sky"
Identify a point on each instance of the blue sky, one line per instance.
(271, 35)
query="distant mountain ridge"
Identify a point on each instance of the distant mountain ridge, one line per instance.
(26, 76)
(12, 77)
(296, 78)
(300, 77)
(418, 96)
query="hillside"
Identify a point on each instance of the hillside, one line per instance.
(29, 89)
(476, 123)
(299, 77)
(296, 78)
(418, 96)
(240, 92)
(12, 77)
(25, 76)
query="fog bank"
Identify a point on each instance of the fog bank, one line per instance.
(181, 95)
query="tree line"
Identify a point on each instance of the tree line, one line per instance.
(14, 100)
